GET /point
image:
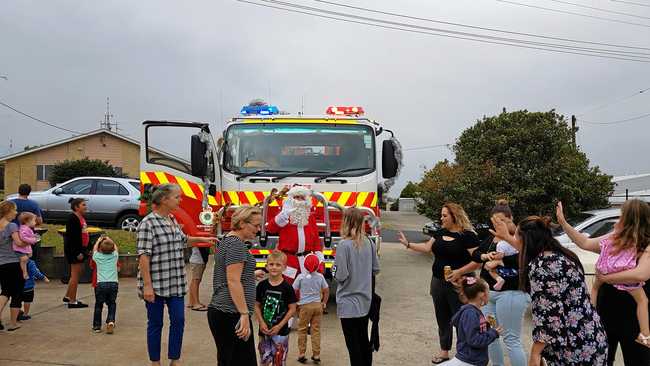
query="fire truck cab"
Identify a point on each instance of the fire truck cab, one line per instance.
(338, 156)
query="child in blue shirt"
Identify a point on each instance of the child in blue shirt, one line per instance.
(28, 291)
(474, 331)
(105, 255)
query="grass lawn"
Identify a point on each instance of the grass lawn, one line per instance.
(125, 240)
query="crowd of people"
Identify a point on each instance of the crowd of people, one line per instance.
(519, 266)
(524, 265)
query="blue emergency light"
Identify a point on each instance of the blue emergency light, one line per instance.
(264, 110)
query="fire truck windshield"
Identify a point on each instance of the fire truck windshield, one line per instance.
(272, 147)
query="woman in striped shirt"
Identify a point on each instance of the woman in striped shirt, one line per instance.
(233, 300)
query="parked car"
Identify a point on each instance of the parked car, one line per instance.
(482, 230)
(593, 223)
(111, 201)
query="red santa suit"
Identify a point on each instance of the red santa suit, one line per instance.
(296, 241)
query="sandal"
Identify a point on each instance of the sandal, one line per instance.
(302, 359)
(200, 308)
(644, 340)
(11, 329)
(439, 359)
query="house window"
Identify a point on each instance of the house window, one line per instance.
(118, 170)
(43, 172)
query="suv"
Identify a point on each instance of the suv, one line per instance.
(112, 201)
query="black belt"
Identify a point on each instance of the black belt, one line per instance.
(302, 254)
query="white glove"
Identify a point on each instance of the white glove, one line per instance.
(282, 219)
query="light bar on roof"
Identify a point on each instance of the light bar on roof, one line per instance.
(264, 110)
(345, 111)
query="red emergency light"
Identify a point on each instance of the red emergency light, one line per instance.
(345, 111)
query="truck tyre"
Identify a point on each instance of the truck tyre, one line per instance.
(129, 222)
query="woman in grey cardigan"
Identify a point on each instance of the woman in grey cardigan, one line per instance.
(356, 263)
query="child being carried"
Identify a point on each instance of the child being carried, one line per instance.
(28, 238)
(506, 249)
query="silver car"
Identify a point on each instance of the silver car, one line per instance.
(593, 223)
(111, 201)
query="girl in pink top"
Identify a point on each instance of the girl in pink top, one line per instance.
(618, 253)
(27, 222)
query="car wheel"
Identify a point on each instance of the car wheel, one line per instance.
(129, 222)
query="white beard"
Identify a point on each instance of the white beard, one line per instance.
(300, 216)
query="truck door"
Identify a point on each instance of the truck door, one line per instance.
(167, 157)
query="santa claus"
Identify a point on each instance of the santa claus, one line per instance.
(298, 233)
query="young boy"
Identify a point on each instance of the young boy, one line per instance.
(314, 293)
(105, 255)
(28, 291)
(275, 304)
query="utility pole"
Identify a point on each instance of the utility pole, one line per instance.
(574, 129)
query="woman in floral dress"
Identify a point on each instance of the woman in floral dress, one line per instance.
(566, 328)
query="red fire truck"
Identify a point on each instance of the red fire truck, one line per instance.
(337, 155)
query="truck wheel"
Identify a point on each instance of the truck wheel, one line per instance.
(129, 222)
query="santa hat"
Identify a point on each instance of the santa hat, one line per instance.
(299, 191)
(311, 263)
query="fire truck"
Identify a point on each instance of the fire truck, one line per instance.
(340, 156)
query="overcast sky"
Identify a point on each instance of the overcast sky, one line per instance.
(203, 61)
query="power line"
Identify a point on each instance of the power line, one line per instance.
(631, 3)
(628, 54)
(619, 121)
(427, 147)
(610, 54)
(613, 102)
(38, 120)
(600, 9)
(465, 34)
(573, 13)
(555, 38)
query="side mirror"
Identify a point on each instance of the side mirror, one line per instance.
(199, 161)
(58, 191)
(388, 160)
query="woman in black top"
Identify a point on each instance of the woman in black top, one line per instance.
(75, 248)
(451, 247)
(506, 303)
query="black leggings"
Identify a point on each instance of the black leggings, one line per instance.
(617, 311)
(445, 303)
(231, 351)
(12, 283)
(355, 331)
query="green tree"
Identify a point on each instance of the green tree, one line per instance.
(69, 169)
(409, 191)
(527, 158)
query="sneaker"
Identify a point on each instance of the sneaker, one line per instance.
(22, 316)
(2, 327)
(97, 330)
(65, 299)
(77, 305)
(109, 328)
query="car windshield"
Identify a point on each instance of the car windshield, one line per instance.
(292, 147)
(574, 221)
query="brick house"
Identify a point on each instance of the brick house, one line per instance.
(33, 166)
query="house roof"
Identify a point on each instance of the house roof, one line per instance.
(629, 177)
(65, 141)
